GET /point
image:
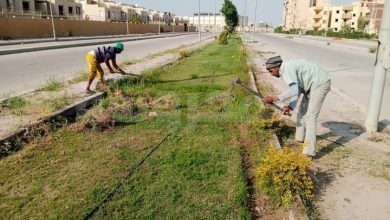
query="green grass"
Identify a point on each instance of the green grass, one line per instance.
(195, 174)
(16, 105)
(81, 77)
(52, 84)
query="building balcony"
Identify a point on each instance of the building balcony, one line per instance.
(317, 17)
(318, 8)
(347, 7)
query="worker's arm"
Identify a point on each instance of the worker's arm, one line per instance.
(117, 67)
(107, 61)
(293, 93)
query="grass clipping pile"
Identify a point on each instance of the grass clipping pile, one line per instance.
(103, 116)
(282, 175)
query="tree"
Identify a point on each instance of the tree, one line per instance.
(230, 13)
(362, 23)
(136, 19)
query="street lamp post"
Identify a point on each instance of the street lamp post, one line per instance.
(215, 12)
(254, 24)
(159, 24)
(52, 21)
(127, 23)
(199, 26)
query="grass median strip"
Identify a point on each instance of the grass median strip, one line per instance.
(196, 173)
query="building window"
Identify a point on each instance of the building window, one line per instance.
(108, 14)
(26, 6)
(354, 15)
(70, 10)
(337, 20)
(353, 23)
(345, 20)
(10, 3)
(337, 12)
(335, 29)
(78, 10)
(61, 10)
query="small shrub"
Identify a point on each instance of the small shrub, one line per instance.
(223, 38)
(183, 53)
(52, 84)
(16, 105)
(284, 175)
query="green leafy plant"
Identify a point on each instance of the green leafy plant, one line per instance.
(223, 37)
(16, 105)
(283, 175)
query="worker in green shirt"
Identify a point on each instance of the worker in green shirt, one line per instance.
(311, 80)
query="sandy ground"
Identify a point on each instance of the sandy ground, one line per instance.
(351, 169)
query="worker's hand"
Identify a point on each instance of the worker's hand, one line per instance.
(286, 110)
(269, 99)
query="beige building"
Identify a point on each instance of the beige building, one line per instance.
(207, 21)
(319, 15)
(68, 9)
(296, 14)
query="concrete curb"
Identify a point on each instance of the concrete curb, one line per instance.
(13, 141)
(61, 39)
(32, 49)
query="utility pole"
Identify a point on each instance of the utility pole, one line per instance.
(127, 23)
(215, 12)
(159, 23)
(382, 68)
(199, 26)
(245, 7)
(254, 24)
(52, 21)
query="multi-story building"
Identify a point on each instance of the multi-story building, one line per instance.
(208, 21)
(68, 9)
(319, 15)
(323, 16)
(376, 13)
(296, 13)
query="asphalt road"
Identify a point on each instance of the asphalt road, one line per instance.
(23, 72)
(351, 71)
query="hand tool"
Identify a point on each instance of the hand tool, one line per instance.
(238, 81)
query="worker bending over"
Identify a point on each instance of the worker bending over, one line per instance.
(98, 56)
(311, 80)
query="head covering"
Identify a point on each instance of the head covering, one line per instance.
(119, 45)
(273, 62)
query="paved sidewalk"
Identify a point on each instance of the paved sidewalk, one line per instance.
(12, 48)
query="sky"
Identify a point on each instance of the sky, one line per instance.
(269, 11)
